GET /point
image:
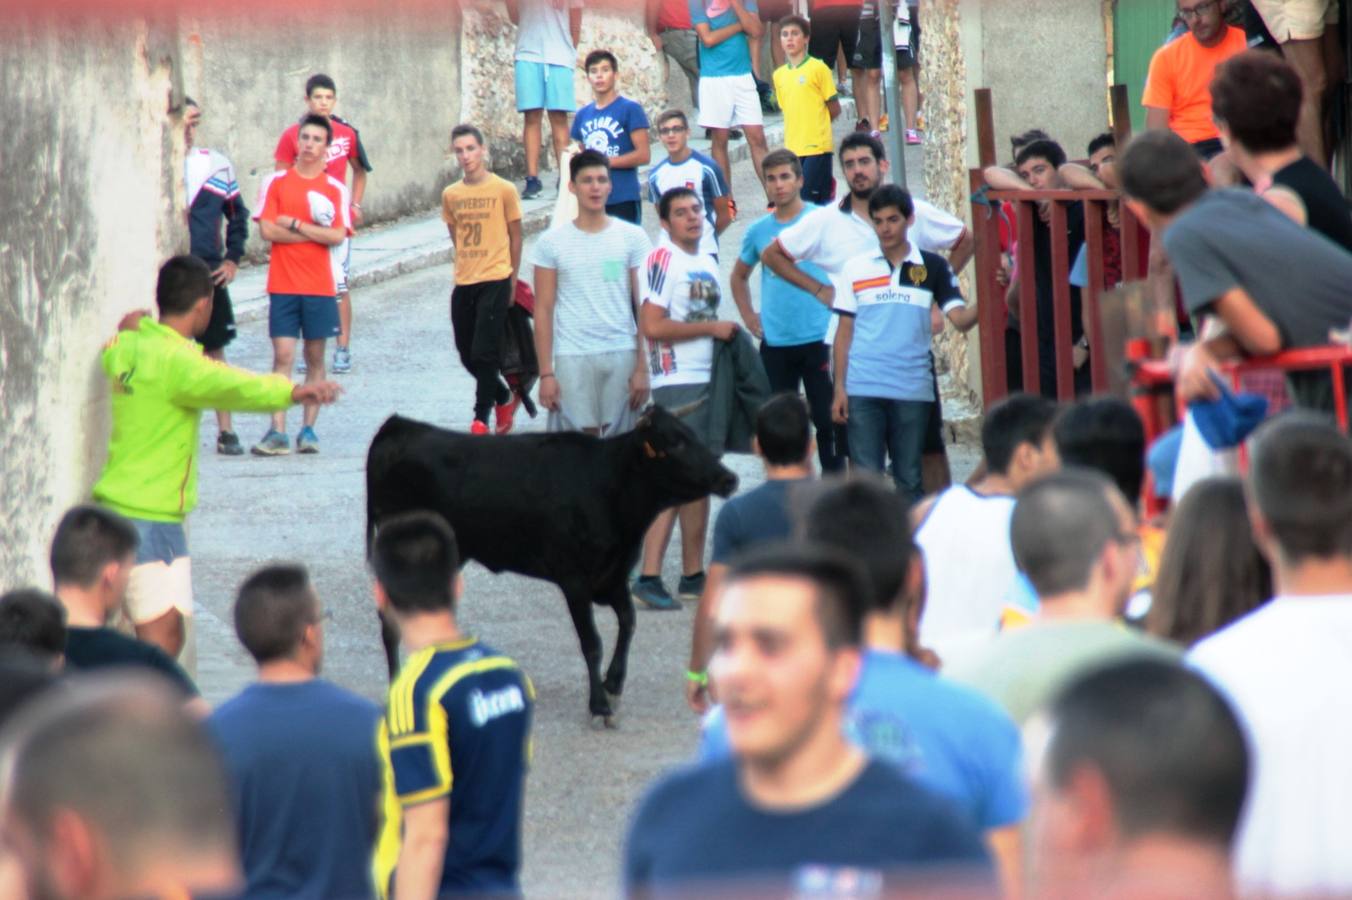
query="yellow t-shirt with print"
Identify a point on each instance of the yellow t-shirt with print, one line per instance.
(803, 92)
(478, 215)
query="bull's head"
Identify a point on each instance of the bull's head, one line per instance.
(675, 460)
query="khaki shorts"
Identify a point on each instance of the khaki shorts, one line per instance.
(1296, 20)
(594, 386)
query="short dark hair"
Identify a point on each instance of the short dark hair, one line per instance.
(1257, 96)
(33, 621)
(87, 539)
(1105, 434)
(1300, 476)
(1161, 170)
(784, 430)
(317, 121)
(1166, 742)
(23, 677)
(416, 559)
(273, 608)
(670, 197)
(866, 520)
(669, 114)
(842, 587)
(798, 21)
(114, 743)
(782, 156)
(464, 129)
(1018, 141)
(1059, 528)
(587, 159)
(600, 56)
(1099, 141)
(857, 139)
(182, 282)
(1016, 420)
(317, 81)
(889, 196)
(188, 101)
(1043, 148)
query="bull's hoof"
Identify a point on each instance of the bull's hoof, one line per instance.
(614, 701)
(604, 723)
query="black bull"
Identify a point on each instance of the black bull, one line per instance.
(568, 508)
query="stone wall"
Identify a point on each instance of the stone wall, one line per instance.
(87, 156)
(489, 44)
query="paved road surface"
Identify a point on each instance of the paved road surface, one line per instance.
(583, 784)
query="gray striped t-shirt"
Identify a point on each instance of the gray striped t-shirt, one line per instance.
(594, 308)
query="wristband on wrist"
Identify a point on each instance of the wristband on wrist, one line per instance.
(700, 678)
(295, 225)
(547, 375)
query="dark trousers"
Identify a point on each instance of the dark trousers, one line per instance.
(630, 211)
(810, 365)
(478, 318)
(881, 429)
(817, 181)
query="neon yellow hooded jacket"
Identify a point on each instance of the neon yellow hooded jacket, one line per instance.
(161, 382)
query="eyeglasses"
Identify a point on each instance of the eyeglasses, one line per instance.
(672, 129)
(1197, 11)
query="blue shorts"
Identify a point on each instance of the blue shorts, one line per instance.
(542, 86)
(160, 541)
(297, 315)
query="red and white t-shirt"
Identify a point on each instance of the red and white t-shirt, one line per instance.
(342, 148)
(687, 287)
(305, 268)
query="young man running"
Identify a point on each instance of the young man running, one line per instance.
(161, 383)
(586, 302)
(304, 214)
(483, 214)
(617, 128)
(791, 324)
(345, 148)
(686, 167)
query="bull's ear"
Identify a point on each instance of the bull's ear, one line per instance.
(645, 419)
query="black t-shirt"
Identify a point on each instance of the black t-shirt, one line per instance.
(695, 834)
(103, 648)
(1326, 210)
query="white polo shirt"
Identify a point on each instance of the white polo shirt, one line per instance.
(1287, 667)
(833, 235)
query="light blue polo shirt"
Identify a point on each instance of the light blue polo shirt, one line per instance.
(889, 354)
(789, 314)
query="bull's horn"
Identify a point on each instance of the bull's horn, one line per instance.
(681, 412)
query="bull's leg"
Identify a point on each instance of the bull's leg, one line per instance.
(623, 604)
(580, 608)
(389, 636)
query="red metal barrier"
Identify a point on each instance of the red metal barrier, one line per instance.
(986, 211)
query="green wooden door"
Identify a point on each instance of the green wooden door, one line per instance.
(1139, 28)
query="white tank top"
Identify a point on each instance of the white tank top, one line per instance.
(969, 567)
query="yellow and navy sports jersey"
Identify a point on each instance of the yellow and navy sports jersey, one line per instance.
(458, 725)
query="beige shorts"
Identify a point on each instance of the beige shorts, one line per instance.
(593, 386)
(161, 579)
(1296, 20)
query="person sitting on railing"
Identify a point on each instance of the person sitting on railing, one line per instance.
(1267, 283)
(1256, 102)
(1039, 166)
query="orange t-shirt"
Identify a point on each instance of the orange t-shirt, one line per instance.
(304, 268)
(1180, 81)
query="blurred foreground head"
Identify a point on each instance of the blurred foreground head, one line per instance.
(109, 790)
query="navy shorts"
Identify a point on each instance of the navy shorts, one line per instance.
(303, 315)
(819, 186)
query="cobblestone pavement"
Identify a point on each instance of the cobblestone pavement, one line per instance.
(583, 784)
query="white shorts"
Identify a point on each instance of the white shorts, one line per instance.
(1296, 20)
(593, 387)
(726, 101)
(161, 579)
(340, 255)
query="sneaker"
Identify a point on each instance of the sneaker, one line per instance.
(876, 134)
(691, 587)
(301, 368)
(652, 593)
(227, 444)
(912, 136)
(274, 443)
(533, 188)
(504, 413)
(477, 427)
(862, 125)
(307, 441)
(883, 122)
(342, 360)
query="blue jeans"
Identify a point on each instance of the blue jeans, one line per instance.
(879, 428)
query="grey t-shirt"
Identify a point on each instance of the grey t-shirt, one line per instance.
(543, 34)
(1232, 238)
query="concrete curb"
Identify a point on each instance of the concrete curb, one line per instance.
(251, 304)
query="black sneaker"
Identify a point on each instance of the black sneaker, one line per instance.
(691, 587)
(863, 125)
(533, 188)
(227, 444)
